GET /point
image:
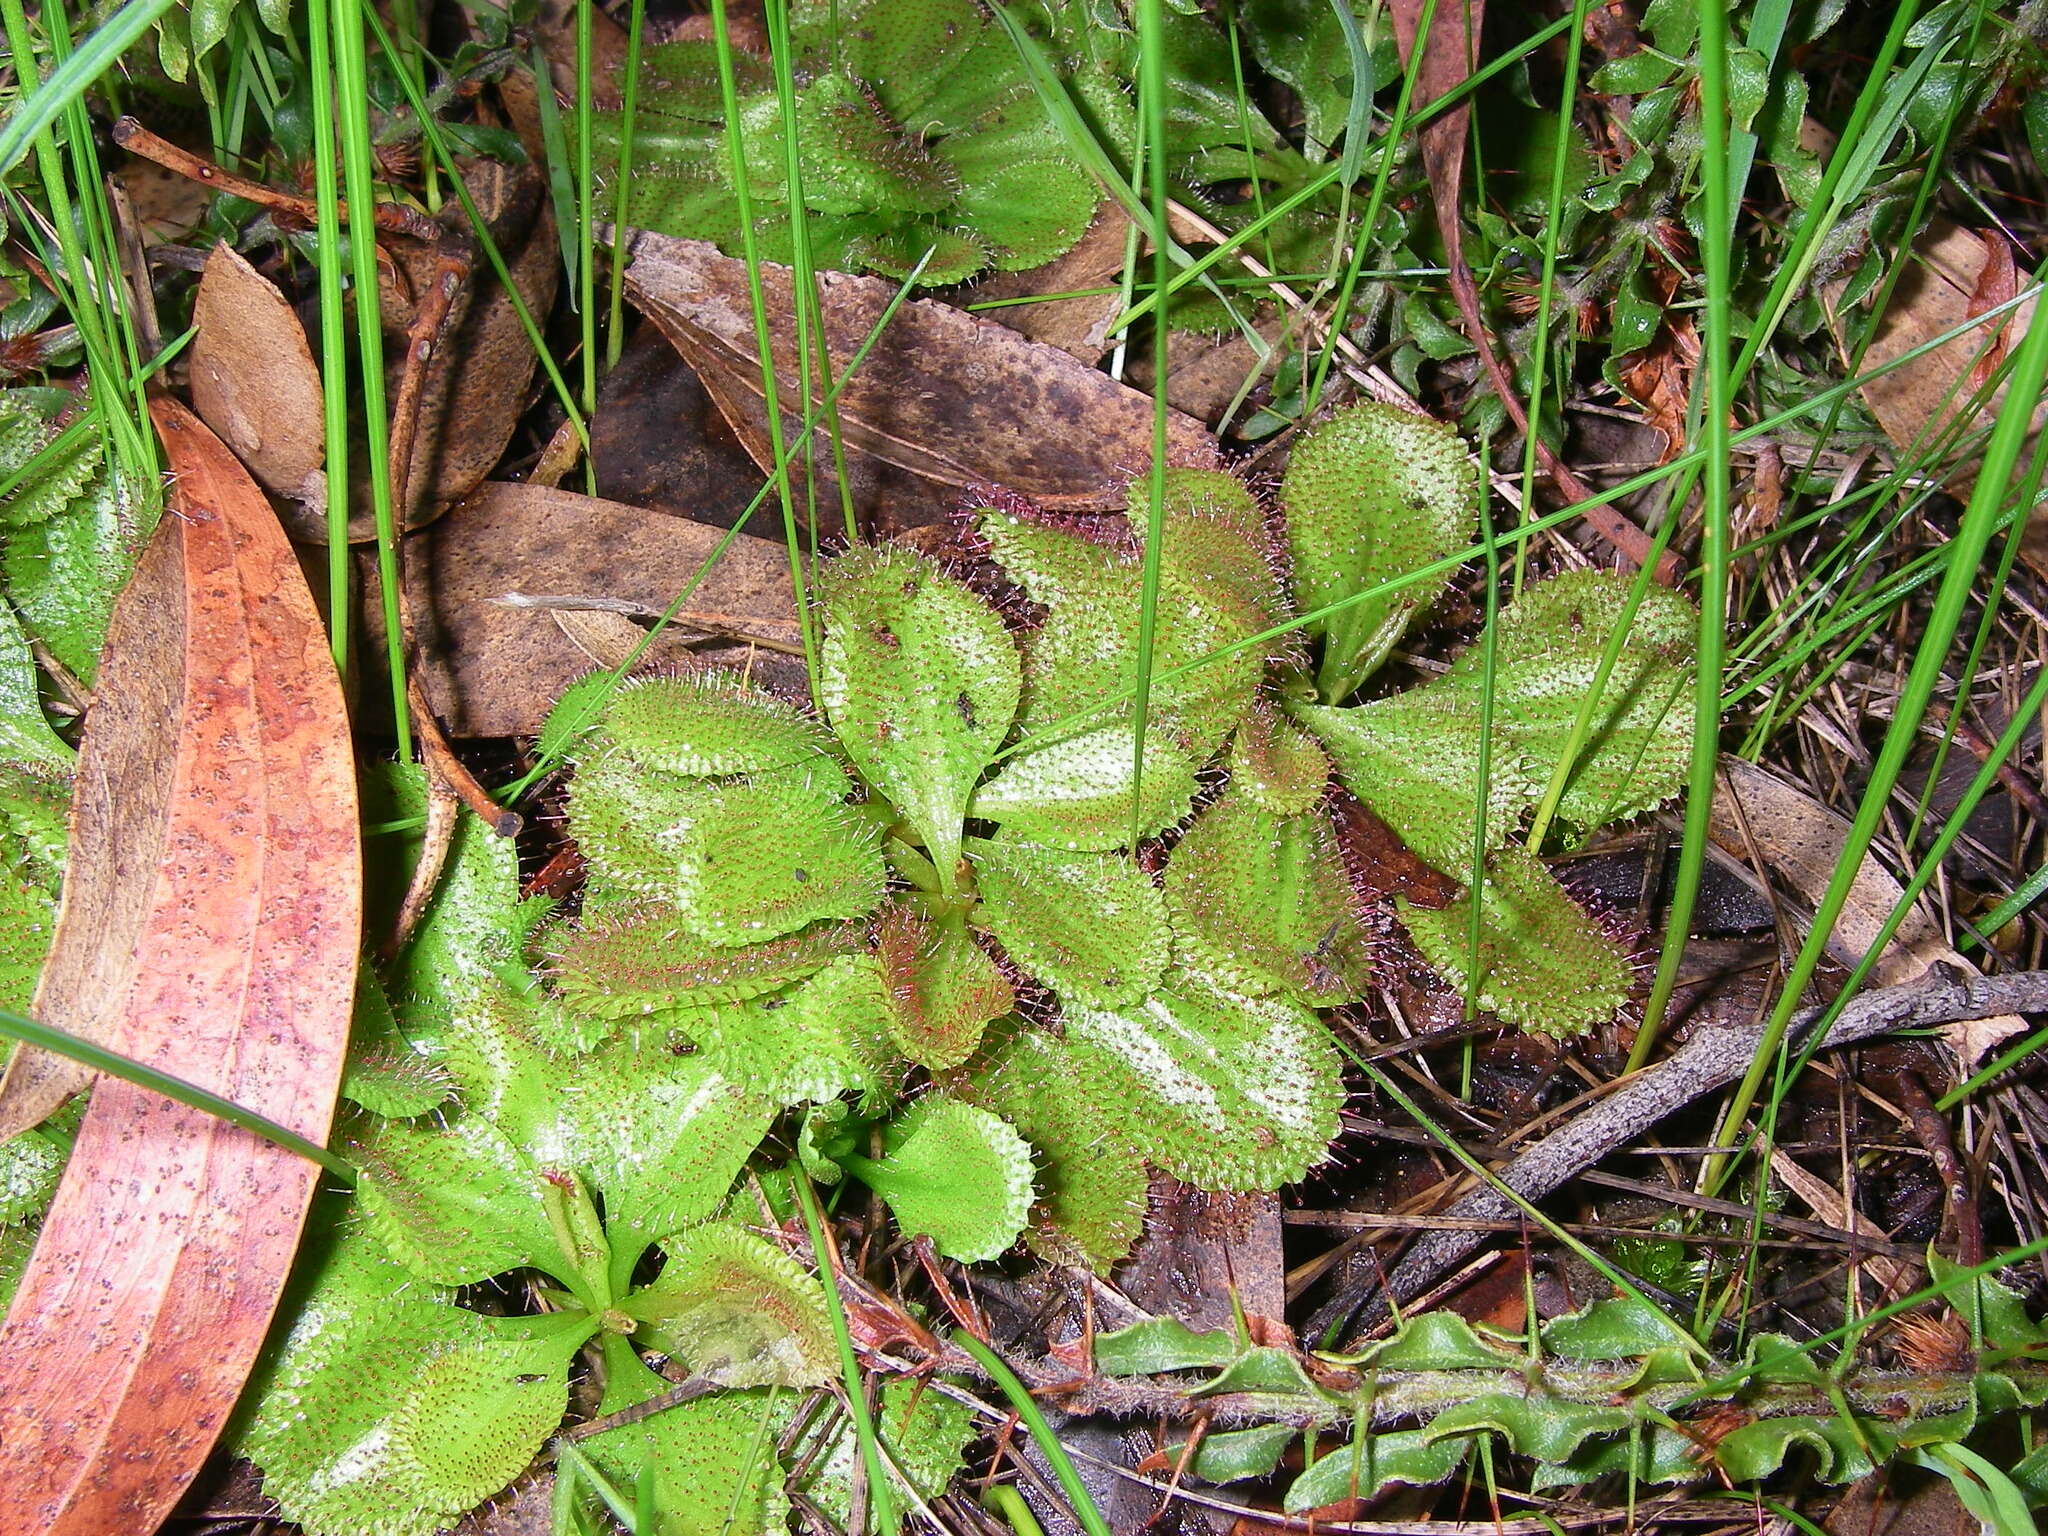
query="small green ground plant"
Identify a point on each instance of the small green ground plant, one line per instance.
(958, 941)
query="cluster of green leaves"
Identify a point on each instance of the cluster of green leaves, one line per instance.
(1614, 1391)
(914, 944)
(600, 1183)
(740, 852)
(915, 127)
(918, 127)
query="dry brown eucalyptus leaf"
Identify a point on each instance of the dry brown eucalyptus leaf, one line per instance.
(944, 397)
(495, 670)
(255, 383)
(476, 388)
(209, 928)
(1949, 280)
(1759, 815)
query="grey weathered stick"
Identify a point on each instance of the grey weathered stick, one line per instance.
(1711, 1059)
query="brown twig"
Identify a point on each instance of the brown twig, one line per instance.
(1711, 1059)
(1931, 1129)
(1443, 69)
(448, 778)
(392, 218)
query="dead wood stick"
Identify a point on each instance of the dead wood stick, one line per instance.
(392, 218)
(1711, 1059)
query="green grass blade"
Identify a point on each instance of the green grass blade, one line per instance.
(33, 115)
(87, 1053)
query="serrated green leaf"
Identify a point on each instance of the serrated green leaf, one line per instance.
(736, 1310)
(739, 863)
(943, 988)
(1265, 898)
(1841, 1452)
(921, 682)
(1092, 1186)
(386, 1073)
(1086, 650)
(956, 1173)
(64, 572)
(1549, 1429)
(473, 925)
(1092, 926)
(1436, 1341)
(1414, 760)
(1550, 643)
(1372, 1463)
(1162, 1344)
(1544, 964)
(455, 1206)
(1076, 793)
(387, 1412)
(28, 924)
(638, 957)
(1277, 764)
(1618, 1328)
(1372, 494)
(30, 1165)
(1215, 535)
(661, 1137)
(1231, 1455)
(1221, 1090)
(706, 724)
(812, 1041)
(711, 1461)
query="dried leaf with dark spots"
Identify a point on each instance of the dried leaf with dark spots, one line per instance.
(210, 927)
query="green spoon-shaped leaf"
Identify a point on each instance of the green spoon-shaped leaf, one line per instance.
(737, 1310)
(958, 1174)
(1265, 898)
(1373, 493)
(1221, 1090)
(921, 682)
(1091, 926)
(1544, 964)
(388, 1409)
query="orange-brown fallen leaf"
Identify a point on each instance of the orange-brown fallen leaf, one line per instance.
(210, 927)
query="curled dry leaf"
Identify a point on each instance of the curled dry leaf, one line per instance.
(1759, 815)
(495, 669)
(944, 398)
(210, 925)
(1954, 275)
(255, 383)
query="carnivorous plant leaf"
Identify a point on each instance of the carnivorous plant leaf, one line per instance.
(956, 1173)
(1543, 962)
(737, 1310)
(1263, 898)
(943, 987)
(388, 1411)
(1092, 926)
(1372, 494)
(1091, 1182)
(1550, 643)
(1219, 1089)
(921, 682)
